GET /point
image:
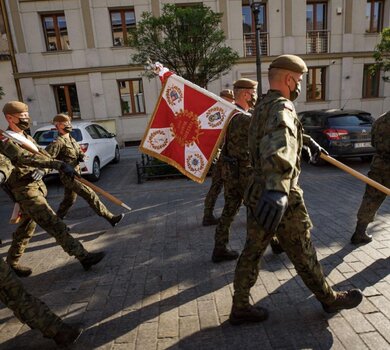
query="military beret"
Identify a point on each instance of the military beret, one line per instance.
(289, 62)
(244, 83)
(61, 118)
(13, 107)
(227, 93)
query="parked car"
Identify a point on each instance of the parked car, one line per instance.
(343, 133)
(99, 145)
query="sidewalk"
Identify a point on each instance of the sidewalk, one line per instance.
(158, 289)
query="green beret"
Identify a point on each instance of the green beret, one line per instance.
(227, 93)
(14, 107)
(244, 83)
(61, 118)
(289, 62)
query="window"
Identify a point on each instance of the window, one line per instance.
(249, 29)
(67, 100)
(370, 82)
(315, 86)
(374, 16)
(104, 134)
(56, 32)
(132, 96)
(92, 132)
(121, 22)
(316, 27)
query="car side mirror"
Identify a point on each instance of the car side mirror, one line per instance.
(111, 135)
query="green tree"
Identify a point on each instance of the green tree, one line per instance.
(187, 40)
(382, 55)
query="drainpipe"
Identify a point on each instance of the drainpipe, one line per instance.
(11, 48)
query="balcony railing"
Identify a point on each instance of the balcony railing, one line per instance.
(317, 41)
(250, 44)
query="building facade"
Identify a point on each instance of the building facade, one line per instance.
(71, 55)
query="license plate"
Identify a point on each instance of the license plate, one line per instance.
(362, 144)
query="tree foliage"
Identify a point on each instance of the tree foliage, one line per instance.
(186, 40)
(382, 55)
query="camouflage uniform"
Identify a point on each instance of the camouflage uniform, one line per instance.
(236, 169)
(30, 195)
(275, 143)
(379, 170)
(69, 151)
(215, 188)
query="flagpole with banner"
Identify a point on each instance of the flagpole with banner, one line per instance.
(187, 126)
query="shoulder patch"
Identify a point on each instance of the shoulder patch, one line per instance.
(289, 105)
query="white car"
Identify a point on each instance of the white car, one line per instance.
(99, 145)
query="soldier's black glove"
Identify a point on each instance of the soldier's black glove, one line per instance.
(311, 153)
(2, 178)
(38, 174)
(68, 170)
(81, 157)
(270, 209)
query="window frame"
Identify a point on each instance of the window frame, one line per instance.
(380, 16)
(132, 99)
(309, 96)
(57, 31)
(368, 81)
(68, 101)
(122, 12)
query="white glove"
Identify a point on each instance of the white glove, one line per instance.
(37, 174)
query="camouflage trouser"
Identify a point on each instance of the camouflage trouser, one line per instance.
(294, 237)
(373, 198)
(25, 306)
(72, 188)
(215, 189)
(33, 204)
(234, 189)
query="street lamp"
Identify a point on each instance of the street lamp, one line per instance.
(255, 6)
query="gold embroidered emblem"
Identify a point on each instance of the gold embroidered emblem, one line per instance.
(174, 95)
(195, 162)
(158, 140)
(186, 128)
(215, 116)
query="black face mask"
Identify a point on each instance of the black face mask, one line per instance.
(295, 93)
(23, 124)
(68, 129)
(252, 101)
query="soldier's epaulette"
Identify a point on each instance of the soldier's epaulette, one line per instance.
(289, 105)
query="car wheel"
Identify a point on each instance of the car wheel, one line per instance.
(95, 176)
(366, 158)
(117, 157)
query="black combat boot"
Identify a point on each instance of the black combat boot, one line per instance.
(247, 314)
(116, 219)
(21, 271)
(223, 254)
(360, 236)
(91, 259)
(344, 300)
(209, 220)
(276, 247)
(67, 335)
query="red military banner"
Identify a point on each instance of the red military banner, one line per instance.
(187, 127)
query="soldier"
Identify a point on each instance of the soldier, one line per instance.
(66, 149)
(25, 306)
(236, 167)
(29, 191)
(274, 199)
(216, 177)
(380, 172)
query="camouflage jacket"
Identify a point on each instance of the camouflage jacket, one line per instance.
(275, 144)
(380, 138)
(236, 139)
(25, 162)
(66, 149)
(6, 166)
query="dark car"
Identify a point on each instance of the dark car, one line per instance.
(343, 133)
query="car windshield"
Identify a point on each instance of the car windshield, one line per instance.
(45, 137)
(350, 120)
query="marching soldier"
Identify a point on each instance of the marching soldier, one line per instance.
(275, 200)
(65, 148)
(216, 178)
(236, 167)
(25, 306)
(29, 191)
(380, 172)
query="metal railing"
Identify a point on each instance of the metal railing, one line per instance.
(317, 41)
(250, 44)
